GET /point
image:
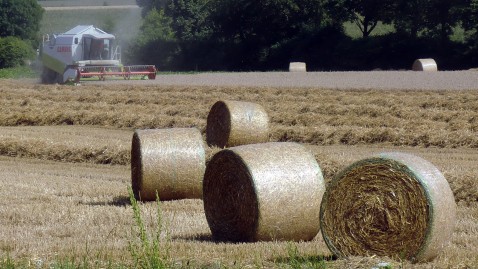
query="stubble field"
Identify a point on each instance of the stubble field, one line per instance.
(65, 155)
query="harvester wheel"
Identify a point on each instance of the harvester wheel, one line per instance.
(48, 76)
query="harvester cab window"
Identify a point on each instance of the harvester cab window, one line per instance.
(97, 49)
(105, 52)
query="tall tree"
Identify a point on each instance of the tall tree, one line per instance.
(469, 21)
(148, 5)
(20, 18)
(267, 21)
(410, 16)
(367, 13)
(190, 18)
(442, 16)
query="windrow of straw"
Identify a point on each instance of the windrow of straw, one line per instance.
(427, 65)
(234, 123)
(320, 116)
(393, 204)
(262, 192)
(170, 162)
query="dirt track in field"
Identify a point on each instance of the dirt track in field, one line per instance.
(404, 80)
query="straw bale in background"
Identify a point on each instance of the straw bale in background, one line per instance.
(428, 65)
(234, 123)
(394, 204)
(269, 191)
(297, 67)
(169, 161)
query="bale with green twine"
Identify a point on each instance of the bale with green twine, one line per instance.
(394, 204)
(263, 192)
(168, 161)
(234, 123)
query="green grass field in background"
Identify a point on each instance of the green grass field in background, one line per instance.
(352, 30)
(18, 72)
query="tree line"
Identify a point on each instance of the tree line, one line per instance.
(19, 26)
(244, 35)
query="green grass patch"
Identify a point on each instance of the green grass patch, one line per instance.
(351, 29)
(148, 250)
(19, 72)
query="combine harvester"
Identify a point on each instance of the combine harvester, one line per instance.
(85, 52)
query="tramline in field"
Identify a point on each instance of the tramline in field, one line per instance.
(85, 52)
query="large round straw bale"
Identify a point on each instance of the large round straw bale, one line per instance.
(168, 161)
(234, 123)
(297, 67)
(428, 65)
(393, 204)
(263, 192)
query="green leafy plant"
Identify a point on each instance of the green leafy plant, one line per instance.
(14, 52)
(150, 251)
(297, 261)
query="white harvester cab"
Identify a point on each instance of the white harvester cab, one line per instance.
(84, 52)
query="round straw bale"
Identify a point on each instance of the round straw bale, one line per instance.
(168, 161)
(297, 67)
(263, 192)
(428, 65)
(234, 123)
(393, 204)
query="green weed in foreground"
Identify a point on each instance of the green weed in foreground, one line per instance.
(150, 251)
(18, 72)
(297, 261)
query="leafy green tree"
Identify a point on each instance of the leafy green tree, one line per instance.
(442, 16)
(20, 18)
(433, 18)
(268, 21)
(189, 18)
(469, 21)
(251, 30)
(410, 16)
(367, 13)
(148, 5)
(240, 34)
(156, 41)
(14, 52)
(156, 26)
(469, 15)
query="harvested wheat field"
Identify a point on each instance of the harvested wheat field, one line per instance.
(65, 167)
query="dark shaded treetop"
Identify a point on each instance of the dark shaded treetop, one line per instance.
(20, 18)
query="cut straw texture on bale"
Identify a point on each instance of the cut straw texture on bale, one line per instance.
(427, 65)
(394, 204)
(234, 123)
(168, 161)
(297, 67)
(263, 192)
